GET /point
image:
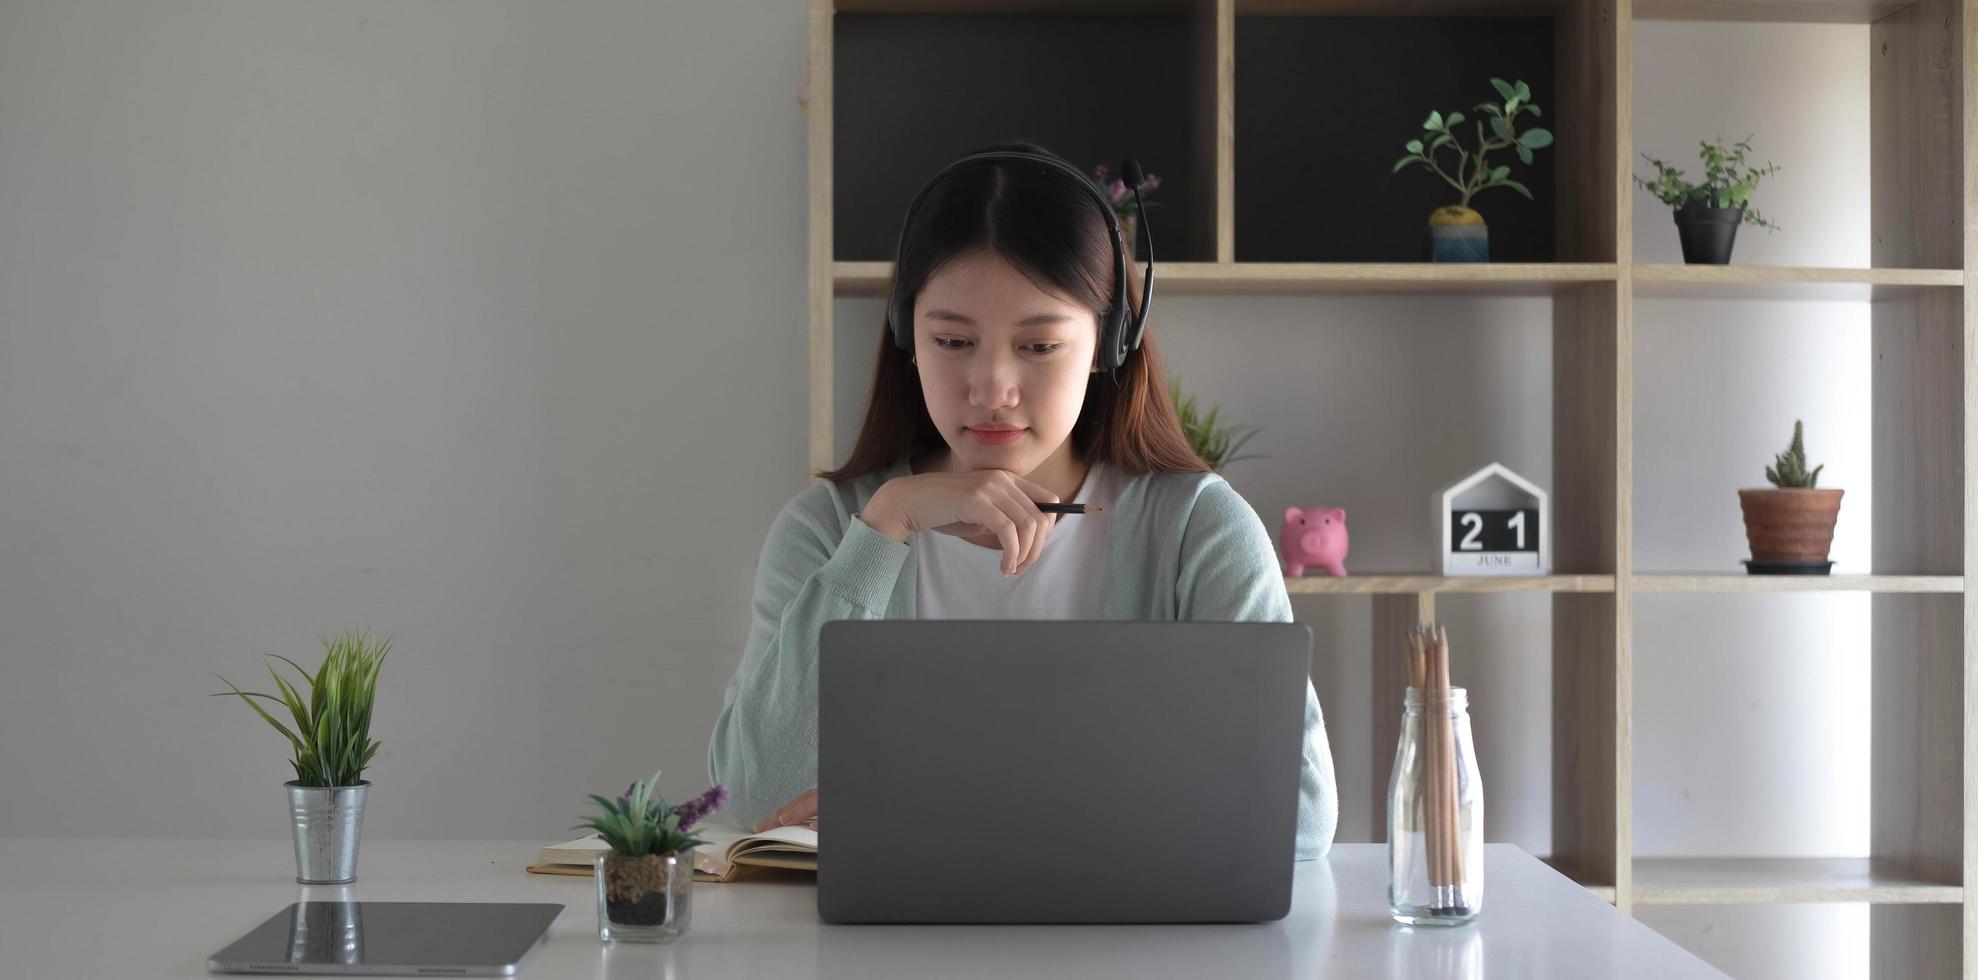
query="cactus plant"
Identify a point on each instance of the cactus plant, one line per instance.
(1789, 469)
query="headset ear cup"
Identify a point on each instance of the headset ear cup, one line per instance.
(1111, 354)
(902, 325)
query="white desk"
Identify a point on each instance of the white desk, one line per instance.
(158, 908)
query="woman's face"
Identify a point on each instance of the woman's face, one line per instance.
(1003, 364)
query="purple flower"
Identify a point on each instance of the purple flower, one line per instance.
(1116, 191)
(1151, 184)
(700, 806)
(1102, 172)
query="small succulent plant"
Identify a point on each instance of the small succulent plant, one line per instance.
(1790, 471)
(641, 822)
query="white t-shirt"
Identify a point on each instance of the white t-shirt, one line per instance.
(960, 580)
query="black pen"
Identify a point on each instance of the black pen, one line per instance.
(1069, 508)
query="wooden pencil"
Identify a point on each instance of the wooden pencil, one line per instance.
(1418, 680)
(1452, 855)
(1434, 836)
(1432, 707)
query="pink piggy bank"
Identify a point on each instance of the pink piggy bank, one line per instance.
(1314, 537)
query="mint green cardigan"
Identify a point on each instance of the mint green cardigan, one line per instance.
(1181, 546)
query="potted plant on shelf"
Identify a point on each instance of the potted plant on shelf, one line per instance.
(1708, 214)
(1121, 197)
(333, 745)
(645, 880)
(1790, 527)
(1457, 233)
(1212, 440)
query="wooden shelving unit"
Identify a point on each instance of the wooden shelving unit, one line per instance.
(1268, 278)
(1774, 881)
(1798, 583)
(1378, 584)
(1789, 282)
(1924, 811)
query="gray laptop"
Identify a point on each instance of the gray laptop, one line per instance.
(1031, 771)
(475, 939)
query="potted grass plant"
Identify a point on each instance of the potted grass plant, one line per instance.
(1708, 214)
(1212, 439)
(1456, 232)
(1790, 526)
(331, 738)
(645, 879)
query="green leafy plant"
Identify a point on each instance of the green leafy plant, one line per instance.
(1471, 172)
(1727, 180)
(332, 733)
(641, 822)
(1212, 440)
(1789, 469)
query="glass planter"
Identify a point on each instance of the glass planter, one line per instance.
(645, 899)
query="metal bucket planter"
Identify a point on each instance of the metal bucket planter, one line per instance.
(328, 822)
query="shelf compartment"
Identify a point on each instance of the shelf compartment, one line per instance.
(1396, 584)
(1053, 7)
(1043, 72)
(1259, 278)
(1700, 582)
(1391, 8)
(1788, 282)
(1303, 195)
(1773, 881)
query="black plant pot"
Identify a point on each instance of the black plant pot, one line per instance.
(1707, 233)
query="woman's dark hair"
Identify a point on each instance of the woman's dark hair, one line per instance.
(1054, 235)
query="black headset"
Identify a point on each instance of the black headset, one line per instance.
(1117, 338)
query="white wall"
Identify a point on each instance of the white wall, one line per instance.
(482, 323)
(460, 320)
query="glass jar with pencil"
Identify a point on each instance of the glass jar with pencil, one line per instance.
(1435, 813)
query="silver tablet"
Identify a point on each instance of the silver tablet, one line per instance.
(472, 939)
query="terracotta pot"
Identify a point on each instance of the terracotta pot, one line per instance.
(1790, 524)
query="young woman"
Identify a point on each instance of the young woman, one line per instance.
(1007, 268)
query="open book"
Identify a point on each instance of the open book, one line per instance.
(728, 854)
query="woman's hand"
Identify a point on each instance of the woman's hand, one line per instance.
(967, 503)
(802, 810)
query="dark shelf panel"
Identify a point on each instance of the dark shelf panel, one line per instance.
(913, 92)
